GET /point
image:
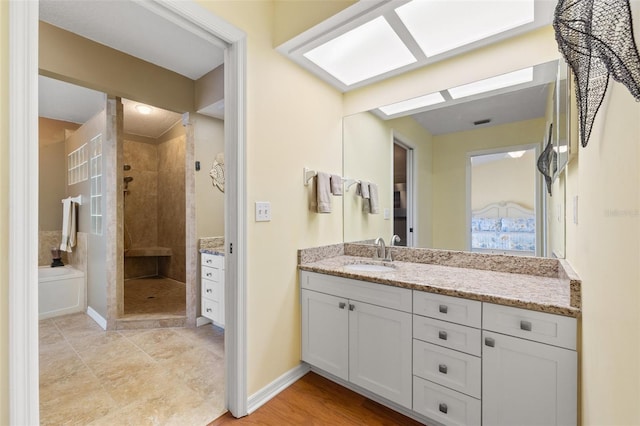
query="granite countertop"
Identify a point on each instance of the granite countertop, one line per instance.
(556, 295)
(216, 251)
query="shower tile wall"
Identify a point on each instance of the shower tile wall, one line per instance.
(47, 240)
(172, 211)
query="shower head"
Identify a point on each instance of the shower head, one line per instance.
(128, 179)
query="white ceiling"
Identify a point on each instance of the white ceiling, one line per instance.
(129, 27)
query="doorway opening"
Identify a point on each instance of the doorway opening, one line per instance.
(403, 193)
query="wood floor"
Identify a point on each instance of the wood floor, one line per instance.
(314, 400)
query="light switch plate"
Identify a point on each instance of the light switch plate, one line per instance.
(387, 214)
(263, 211)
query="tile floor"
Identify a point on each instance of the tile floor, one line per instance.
(167, 376)
(154, 295)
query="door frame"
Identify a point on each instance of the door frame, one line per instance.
(23, 199)
(412, 186)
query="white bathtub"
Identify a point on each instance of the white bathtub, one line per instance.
(61, 291)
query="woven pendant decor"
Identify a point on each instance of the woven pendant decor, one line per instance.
(596, 39)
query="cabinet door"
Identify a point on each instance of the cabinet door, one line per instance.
(527, 383)
(325, 338)
(380, 351)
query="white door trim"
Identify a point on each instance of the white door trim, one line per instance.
(23, 198)
(412, 187)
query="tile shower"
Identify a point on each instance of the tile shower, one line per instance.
(154, 224)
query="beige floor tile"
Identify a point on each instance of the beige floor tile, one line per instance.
(76, 321)
(162, 343)
(94, 341)
(205, 413)
(58, 362)
(207, 336)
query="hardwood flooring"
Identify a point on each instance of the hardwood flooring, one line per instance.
(314, 400)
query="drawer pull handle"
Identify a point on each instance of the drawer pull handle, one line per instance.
(352, 307)
(489, 341)
(525, 325)
(209, 290)
(208, 274)
(442, 368)
(341, 305)
(208, 261)
(443, 309)
(442, 335)
(208, 309)
(443, 408)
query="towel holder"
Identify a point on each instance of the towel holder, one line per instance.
(77, 200)
(350, 182)
(308, 175)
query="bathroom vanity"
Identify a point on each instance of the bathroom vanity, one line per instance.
(447, 344)
(212, 286)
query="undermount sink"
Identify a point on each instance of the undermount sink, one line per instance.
(368, 267)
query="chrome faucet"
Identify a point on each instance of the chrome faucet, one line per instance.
(380, 245)
(395, 239)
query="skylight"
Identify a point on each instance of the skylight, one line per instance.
(439, 26)
(413, 104)
(494, 83)
(367, 51)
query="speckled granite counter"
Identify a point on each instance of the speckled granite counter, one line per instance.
(548, 285)
(212, 245)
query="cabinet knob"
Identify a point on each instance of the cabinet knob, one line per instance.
(525, 325)
(443, 408)
(489, 341)
(443, 309)
(209, 290)
(208, 274)
(442, 368)
(208, 261)
(352, 307)
(442, 335)
(341, 305)
(208, 309)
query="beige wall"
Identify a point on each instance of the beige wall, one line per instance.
(450, 174)
(293, 121)
(208, 134)
(489, 182)
(4, 213)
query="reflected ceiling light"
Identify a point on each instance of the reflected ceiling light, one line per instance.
(367, 51)
(493, 83)
(439, 26)
(516, 154)
(144, 109)
(411, 104)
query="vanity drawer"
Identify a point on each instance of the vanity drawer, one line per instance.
(541, 327)
(383, 295)
(211, 290)
(213, 260)
(445, 405)
(453, 369)
(211, 309)
(447, 308)
(443, 333)
(209, 273)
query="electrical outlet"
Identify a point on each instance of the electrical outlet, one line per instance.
(387, 214)
(263, 211)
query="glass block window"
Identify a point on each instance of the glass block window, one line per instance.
(77, 169)
(95, 147)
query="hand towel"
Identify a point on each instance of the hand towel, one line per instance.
(68, 225)
(336, 185)
(374, 204)
(364, 189)
(323, 192)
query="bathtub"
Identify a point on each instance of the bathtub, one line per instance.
(61, 291)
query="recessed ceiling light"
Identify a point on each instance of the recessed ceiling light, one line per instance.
(439, 26)
(144, 109)
(367, 51)
(516, 154)
(412, 104)
(493, 83)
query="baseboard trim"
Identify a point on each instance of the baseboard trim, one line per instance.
(261, 397)
(202, 321)
(97, 317)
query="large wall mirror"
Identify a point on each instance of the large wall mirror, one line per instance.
(457, 169)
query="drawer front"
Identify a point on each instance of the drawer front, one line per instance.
(447, 308)
(454, 336)
(212, 260)
(541, 327)
(211, 290)
(211, 309)
(445, 405)
(453, 369)
(376, 294)
(209, 273)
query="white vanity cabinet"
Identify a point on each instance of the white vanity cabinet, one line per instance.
(529, 367)
(212, 287)
(359, 332)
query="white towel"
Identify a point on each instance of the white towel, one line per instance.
(68, 225)
(323, 192)
(336, 185)
(363, 189)
(374, 204)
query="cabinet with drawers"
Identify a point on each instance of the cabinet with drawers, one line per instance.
(212, 287)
